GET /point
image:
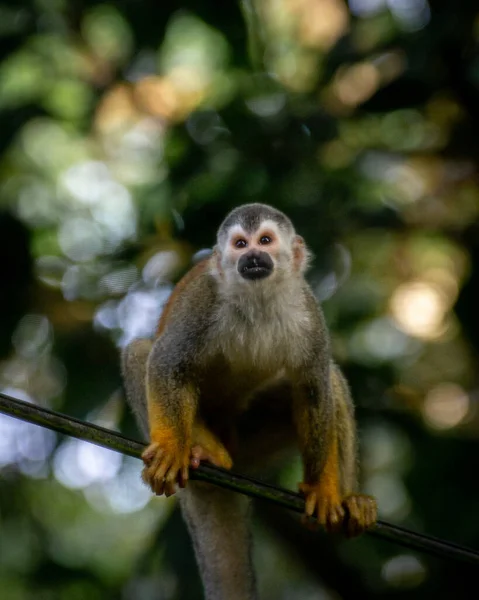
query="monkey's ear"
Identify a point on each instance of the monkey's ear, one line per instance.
(215, 259)
(301, 254)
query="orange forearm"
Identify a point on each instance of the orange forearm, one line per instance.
(329, 475)
(172, 432)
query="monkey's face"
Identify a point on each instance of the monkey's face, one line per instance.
(266, 253)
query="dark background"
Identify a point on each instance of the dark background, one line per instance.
(127, 131)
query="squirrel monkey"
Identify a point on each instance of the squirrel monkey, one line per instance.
(240, 367)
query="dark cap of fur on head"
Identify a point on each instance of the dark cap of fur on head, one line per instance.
(250, 216)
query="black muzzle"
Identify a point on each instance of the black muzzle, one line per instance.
(255, 265)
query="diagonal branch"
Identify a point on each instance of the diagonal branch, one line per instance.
(239, 483)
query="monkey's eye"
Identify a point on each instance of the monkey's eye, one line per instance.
(241, 243)
(264, 240)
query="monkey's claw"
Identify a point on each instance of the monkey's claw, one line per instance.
(361, 514)
(323, 505)
(164, 468)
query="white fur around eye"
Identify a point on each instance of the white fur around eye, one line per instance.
(236, 231)
(271, 228)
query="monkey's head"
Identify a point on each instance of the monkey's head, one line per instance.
(258, 243)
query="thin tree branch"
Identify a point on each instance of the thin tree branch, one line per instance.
(239, 483)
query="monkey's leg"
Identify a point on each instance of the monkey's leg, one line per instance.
(218, 522)
(361, 510)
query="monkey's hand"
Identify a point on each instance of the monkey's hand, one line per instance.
(166, 464)
(361, 513)
(167, 461)
(323, 503)
(206, 446)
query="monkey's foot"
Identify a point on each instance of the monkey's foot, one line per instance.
(324, 505)
(206, 446)
(219, 458)
(361, 514)
(165, 466)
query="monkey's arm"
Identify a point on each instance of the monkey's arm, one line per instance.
(326, 433)
(172, 404)
(178, 438)
(317, 435)
(154, 418)
(324, 417)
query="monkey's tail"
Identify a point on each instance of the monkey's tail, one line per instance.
(218, 522)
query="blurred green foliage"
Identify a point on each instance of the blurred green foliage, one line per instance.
(128, 130)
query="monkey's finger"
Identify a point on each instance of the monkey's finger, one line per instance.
(310, 504)
(145, 477)
(156, 461)
(322, 512)
(153, 484)
(170, 488)
(168, 482)
(370, 516)
(353, 508)
(149, 454)
(194, 462)
(157, 471)
(362, 512)
(184, 476)
(370, 503)
(335, 518)
(149, 477)
(173, 476)
(196, 456)
(147, 460)
(331, 515)
(372, 512)
(158, 486)
(162, 467)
